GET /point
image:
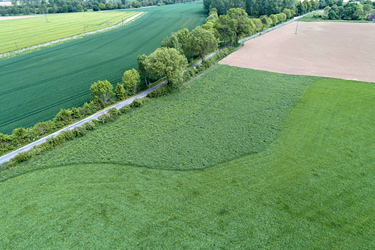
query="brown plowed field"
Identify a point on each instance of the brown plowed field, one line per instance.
(330, 49)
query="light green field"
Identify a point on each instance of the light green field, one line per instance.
(22, 33)
(295, 172)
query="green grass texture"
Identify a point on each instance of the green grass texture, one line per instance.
(35, 86)
(310, 186)
(22, 33)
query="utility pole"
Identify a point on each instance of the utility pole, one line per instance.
(45, 14)
(296, 28)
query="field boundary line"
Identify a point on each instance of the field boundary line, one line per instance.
(70, 38)
(7, 157)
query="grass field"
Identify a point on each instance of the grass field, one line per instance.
(36, 85)
(22, 33)
(302, 179)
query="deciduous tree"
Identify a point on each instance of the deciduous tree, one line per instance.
(102, 90)
(226, 27)
(166, 62)
(202, 42)
(131, 80)
(120, 91)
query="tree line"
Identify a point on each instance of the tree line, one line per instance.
(348, 11)
(258, 8)
(26, 7)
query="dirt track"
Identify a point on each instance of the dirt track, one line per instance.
(330, 49)
(3, 18)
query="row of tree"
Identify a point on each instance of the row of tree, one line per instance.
(257, 8)
(236, 24)
(349, 11)
(26, 7)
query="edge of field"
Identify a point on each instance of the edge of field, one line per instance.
(70, 38)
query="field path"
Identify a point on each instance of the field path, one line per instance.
(9, 156)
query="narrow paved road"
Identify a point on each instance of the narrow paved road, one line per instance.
(127, 102)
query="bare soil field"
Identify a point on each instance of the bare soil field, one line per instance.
(4, 18)
(329, 49)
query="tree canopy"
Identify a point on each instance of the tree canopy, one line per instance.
(167, 62)
(202, 42)
(131, 80)
(102, 90)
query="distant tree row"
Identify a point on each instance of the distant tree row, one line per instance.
(348, 11)
(26, 7)
(258, 8)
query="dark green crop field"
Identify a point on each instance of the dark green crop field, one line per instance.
(34, 86)
(238, 159)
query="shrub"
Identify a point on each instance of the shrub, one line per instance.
(21, 157)
(120, 91)
(40, 128)
(124, 110)
(137, 103)
(89, 108)
(63, 117)
(89, 125)
(104, 118)
(58, 140)
(68, 135)
(161, 91)
(75, 113)
(114, 113)
(20, 135)
(79, 131)
(6, 142)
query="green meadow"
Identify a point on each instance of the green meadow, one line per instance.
(22, 33)
(236, 159)
(35, 86)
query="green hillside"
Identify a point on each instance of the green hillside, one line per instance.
(237, 159)
(35, 86)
